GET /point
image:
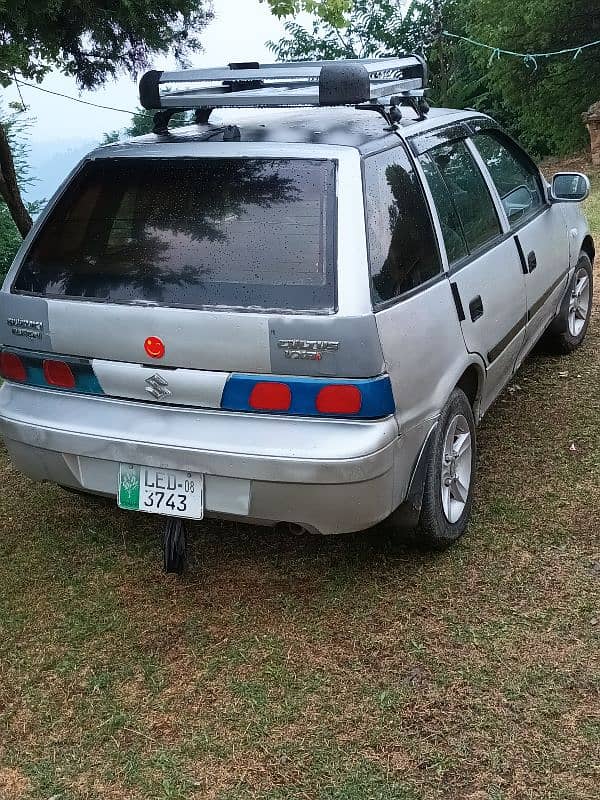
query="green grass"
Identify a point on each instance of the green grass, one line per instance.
(286, 668)
(593, 204)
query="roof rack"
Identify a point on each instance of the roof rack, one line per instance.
(296, 83)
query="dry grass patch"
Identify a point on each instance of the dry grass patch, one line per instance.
(13, 784)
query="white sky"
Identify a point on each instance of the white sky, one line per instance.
(237, 33)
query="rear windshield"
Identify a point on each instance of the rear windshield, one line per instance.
(248, 233)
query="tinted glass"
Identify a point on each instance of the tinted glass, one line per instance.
(469, 193)
(454, 238)
(191, 232)
(516, 178)
(402, 246)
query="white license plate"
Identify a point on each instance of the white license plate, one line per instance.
(171, 492)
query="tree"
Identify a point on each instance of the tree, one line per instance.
(10, 240)
(15, 126)
(387, 28)
(330, 11)
(544, 99)
(539, 102)
(369, 29)
(92, 42)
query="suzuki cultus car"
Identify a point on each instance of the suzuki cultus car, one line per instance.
(295, 310)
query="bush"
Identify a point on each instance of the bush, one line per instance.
(10, 240)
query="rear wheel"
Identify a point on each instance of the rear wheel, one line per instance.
(448, 495)
(568, 330)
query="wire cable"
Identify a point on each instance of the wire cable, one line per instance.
(20, 83)
(528, 58)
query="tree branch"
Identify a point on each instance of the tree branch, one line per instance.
(9, 187)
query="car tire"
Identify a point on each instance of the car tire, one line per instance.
(448, 494)
(568, 329)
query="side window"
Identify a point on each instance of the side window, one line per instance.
(469, 192)
(402, 244)
(515, 176)
(454, 237)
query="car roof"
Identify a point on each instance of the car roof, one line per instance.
(364, 130)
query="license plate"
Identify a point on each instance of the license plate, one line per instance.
(171, 492)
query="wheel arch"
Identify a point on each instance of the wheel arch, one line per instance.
(471, 383)
(588, 247)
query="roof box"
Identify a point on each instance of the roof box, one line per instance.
(296, 83)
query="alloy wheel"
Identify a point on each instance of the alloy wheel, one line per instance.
(456, 468)
(579, 304)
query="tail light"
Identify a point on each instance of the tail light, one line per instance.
(270, 396)
(12, 367)
(339, 399)
(37, 369)
(59, 374)
(363, 398)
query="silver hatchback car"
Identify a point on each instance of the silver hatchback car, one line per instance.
(288, 315)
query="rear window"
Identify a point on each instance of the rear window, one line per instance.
(247, 233)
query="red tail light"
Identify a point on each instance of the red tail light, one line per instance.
(340, 399)
(12, 367)
(271, 396)
(57, 373)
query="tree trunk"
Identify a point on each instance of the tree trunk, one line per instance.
(9, 188)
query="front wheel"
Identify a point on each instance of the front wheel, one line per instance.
(568, 330)
(448, 495)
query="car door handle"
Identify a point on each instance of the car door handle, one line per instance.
(476, 308)
(531, 261)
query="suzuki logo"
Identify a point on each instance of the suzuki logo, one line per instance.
(157, 386)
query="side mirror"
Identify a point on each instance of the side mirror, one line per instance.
(569, 187)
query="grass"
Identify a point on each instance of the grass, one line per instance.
(287, 668)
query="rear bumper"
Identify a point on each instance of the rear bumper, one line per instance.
(332, 476)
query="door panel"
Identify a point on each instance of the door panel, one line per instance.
(492, 291)
(546, 250)
(485, 268)
(540, 229)
(424, 352)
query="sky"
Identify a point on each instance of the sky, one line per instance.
(63, 131)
